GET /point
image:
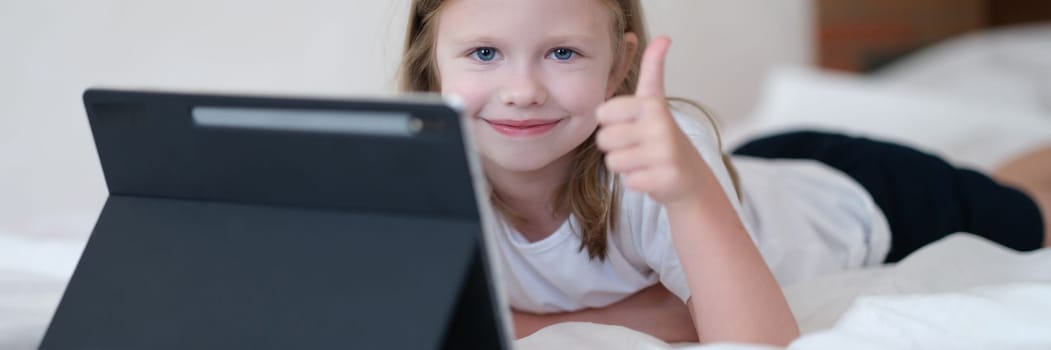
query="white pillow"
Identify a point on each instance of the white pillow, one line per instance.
(1009, 66)
(962, 131)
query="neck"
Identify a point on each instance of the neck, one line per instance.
(530, 194)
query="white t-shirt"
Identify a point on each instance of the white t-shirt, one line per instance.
(807, 218)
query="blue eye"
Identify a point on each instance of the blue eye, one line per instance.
(485, 54)
(563, 54)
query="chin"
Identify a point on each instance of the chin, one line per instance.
(519, 162)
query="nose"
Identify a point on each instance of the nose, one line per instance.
(523, 89)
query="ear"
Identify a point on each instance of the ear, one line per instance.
(623, 64)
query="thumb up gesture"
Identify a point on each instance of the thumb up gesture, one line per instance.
(642, 141)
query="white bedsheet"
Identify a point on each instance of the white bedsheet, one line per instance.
(962, 292)
(33, 275)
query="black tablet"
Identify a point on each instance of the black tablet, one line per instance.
(262, 222)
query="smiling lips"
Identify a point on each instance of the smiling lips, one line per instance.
(532, 127)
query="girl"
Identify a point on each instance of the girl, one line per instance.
(615, 211)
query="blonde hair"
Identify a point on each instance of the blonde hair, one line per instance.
(592, 193)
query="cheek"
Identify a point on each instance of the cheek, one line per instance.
(474, 92)
(581, 94)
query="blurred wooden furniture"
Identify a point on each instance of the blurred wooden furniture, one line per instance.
(864, 35)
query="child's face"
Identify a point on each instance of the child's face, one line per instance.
(531, 73)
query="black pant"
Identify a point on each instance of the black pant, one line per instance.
(923, 197)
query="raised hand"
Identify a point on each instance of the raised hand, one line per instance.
(642, 141)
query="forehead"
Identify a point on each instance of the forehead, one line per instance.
(522, 18)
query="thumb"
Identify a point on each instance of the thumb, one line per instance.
(651, 72)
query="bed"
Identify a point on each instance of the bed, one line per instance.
(977, 100)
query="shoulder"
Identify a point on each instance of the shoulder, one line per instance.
(703, 133)
(699, 129)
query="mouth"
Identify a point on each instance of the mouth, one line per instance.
(529, 127)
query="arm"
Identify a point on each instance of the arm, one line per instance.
(653, 310)
(734, 296)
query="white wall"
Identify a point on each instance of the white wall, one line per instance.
(721, 49)
(52, 50)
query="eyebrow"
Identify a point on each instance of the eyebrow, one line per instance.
(572, 38)
(487, 39)
(472, 39)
